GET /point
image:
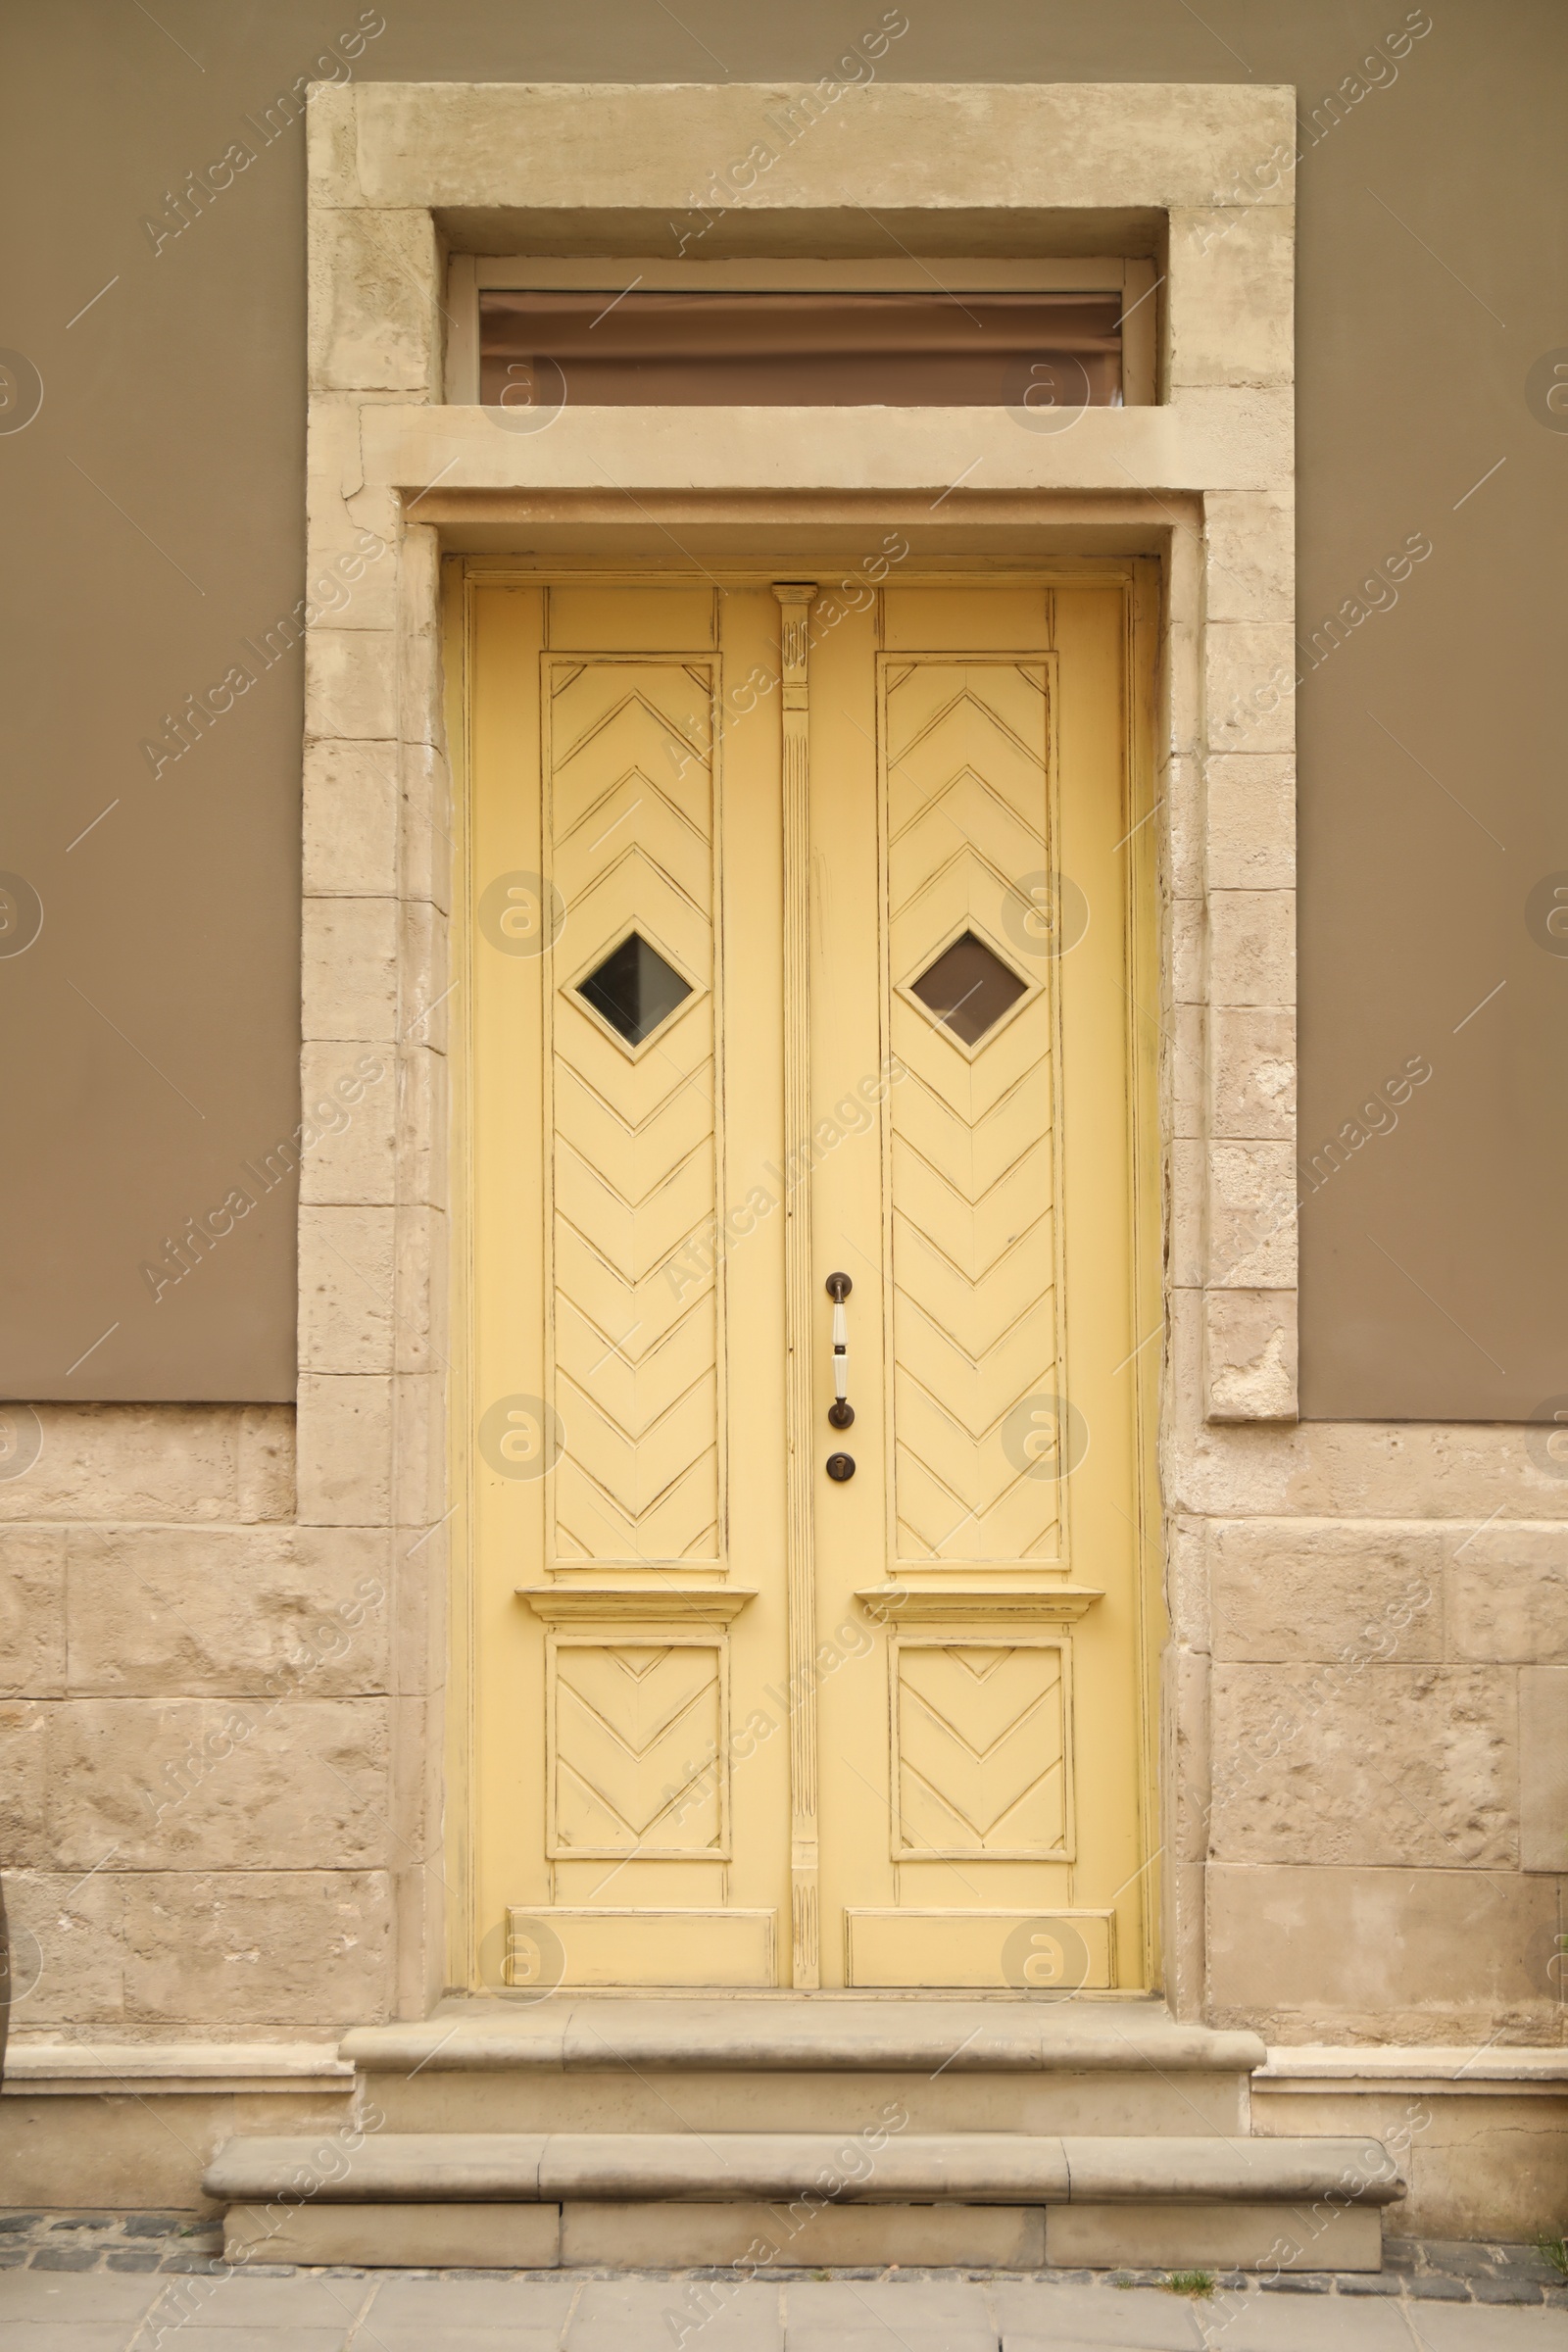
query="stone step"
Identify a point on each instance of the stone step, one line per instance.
(787, 2063)
(677, 2199)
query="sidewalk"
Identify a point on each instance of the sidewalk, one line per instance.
(102, 2283)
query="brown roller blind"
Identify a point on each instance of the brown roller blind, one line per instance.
(807, 350)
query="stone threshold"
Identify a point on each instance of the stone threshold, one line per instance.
(796, 2032)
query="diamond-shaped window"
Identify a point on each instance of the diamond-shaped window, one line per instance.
(968, 988)
(634, 989)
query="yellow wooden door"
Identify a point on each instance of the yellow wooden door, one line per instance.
(800, 949)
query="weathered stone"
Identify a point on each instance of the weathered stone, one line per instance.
(345, 1449)
(350, 1099)
(1508, 1593)
(423, 1125)
(258, 1946)
(23, 1838)
(66, 1949)
(1383, 1955)
(1252, 947)
(222, 1611)
(288, 1783)
(427, 850)
(374, 311)
(351, 820)
(1187, 1062)
(346, 1289)
(265, 1470)
(1287, 1591)
(33, 1612)
(1251, 1216)
(1249, 555)
(351, 969)
(1543, 1768)
(1362, 1763)
(1231, 295)
(131, 1461)
(1251, 797)
(1250, 686)
(1253, 1073)
(351, 684)
(1250, 1355)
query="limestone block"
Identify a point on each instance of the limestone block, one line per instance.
(331, 146)
(413, 1808)
(1183, 795)
(1251, 821)
(421, 1126)
(1182, 664)
(194, 1783)
(224, 1611)
(66, 1950)
(1287, 1590)
(1184, 1239)
(1250, 686)
(291, 1947)
(1188, 943)
(1543, 1768)
(884, 143)
(420, 581)
(351, 572)
(345, 1449)
(1249, 555)
(1187, 1581)
(397, 2236)
(1231, 290)
(375, 309)
(353, 1159)
(420, 1493)
(1187, 1063)
(350, 955)
(1253, 1064)
(346, 1289)
(1249, 1355)
(1228, 2236)
(351, 683)
(334, 462)
(428, 851)
(424, 1559)
(264, 1475)
(1480, 2168)
(420, 689)
(1252, 947)
(1400, 1469)
(1251, 1216)
(351, 820)
(1327, 1954)
(131, 1461)
(33, 1612)
(23, 1833)
(418, 1333)
(426, 981)
(1365, 1763)
(1508, 1593)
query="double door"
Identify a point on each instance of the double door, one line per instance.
(805, 1466)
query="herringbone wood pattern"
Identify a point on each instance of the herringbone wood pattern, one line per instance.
(630, 818)
(974, 1247)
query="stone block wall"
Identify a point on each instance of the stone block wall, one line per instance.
(199, 1816)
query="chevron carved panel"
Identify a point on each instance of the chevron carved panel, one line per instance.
(982, 1750)
(974, 1222)
(630, 843)
(636, 1728)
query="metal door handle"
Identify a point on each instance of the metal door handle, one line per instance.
(840, 1412)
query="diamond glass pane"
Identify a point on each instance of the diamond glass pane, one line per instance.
(968, 988)
(634, 989)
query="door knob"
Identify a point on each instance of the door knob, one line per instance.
(840, 1412)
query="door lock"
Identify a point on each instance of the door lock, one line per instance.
(840, 1466)
(840, 1412)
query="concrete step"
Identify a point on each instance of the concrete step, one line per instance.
(788, 2063)
(676, 2199)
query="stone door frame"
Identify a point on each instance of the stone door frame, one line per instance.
(401, 175)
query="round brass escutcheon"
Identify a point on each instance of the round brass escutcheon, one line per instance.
(840, 1466)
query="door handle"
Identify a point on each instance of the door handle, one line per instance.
(840, 1412)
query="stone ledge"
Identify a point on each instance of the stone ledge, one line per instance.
(40, 2069)
(791, 2033)
(1485, 2069)
(983, 2167)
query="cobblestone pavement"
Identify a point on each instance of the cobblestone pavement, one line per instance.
(139, 2282)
